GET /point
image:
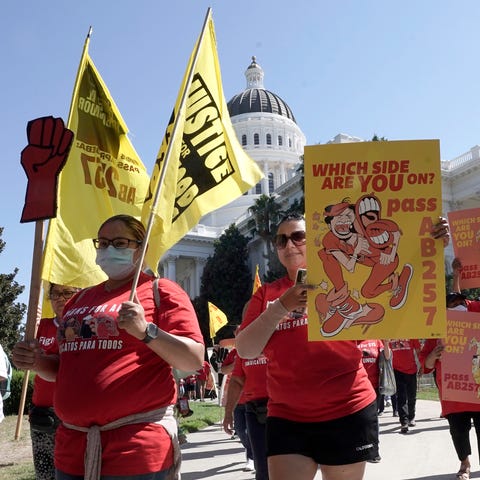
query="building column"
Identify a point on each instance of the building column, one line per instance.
(283, 174)
(199, 267)
(171, 270)
(265, 190)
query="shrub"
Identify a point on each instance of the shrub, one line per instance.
(12, 403)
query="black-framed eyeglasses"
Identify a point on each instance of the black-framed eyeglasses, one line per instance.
(66, 294)
(298, 238)
(119, 243)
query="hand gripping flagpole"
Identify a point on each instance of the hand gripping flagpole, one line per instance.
(168, 154)
(32, 313)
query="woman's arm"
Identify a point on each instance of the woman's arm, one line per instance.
(434, 356)
(233, 393)
(430, 353)
(30, 356)
(181, 353)
(251, 340)
(227, 369)
(457, 268)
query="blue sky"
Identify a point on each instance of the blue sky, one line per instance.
(403, 70)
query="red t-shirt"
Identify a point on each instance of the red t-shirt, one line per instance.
(254, 374)
(448, 406)
(403, 352)
(204, 372)
(106, 374)
(43, 391)
(370, 352)
(308, 381)
(230, 358)
(473, 305)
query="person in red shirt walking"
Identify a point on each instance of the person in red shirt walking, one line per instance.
(248, 387)
(239, 414)
(114, 368)
(370, 357)
(405, 367)
(322, 409)
(191, 386)
(202, 376)
(459, 415)
(42, 417)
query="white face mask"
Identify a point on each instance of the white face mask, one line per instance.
(459, 308)
(117, 263)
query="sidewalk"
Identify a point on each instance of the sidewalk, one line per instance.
(425, 453)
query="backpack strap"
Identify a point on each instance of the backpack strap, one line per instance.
(156, 292)
(82, 292)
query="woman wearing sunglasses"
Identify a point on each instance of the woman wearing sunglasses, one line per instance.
(322, 409)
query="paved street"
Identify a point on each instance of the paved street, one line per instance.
(425, 453)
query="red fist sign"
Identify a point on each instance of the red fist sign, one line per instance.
(42, 159)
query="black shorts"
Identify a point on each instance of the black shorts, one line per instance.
(342, 441)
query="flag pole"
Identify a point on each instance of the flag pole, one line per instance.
(168, 154)
(35, 280)
(81, 66)
(32, 313)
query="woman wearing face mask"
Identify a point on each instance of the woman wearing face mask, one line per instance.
(459, 415)
(115, 389)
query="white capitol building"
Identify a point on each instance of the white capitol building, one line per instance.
(267, 130)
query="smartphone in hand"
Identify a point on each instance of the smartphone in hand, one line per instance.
(301, 279)
(301, 276)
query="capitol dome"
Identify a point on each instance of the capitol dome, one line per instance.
(256, 99)
(267, 130)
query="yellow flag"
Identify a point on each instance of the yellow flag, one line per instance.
(103, 176)
(217, 319)
(206, 166)
(256, 281)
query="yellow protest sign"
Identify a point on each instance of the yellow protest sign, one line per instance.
(370, 207)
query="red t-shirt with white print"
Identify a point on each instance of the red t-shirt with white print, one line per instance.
(370, 353)
(106, 374)
(308, 381)
(43, 391)
(254, 373)
(403, 352)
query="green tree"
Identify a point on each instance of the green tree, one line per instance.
(376, 138)
(298, 205)
(226, 281)
(11, 312)
(267, 213)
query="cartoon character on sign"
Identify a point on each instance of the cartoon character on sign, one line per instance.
(474, 343)
(383, 236)
(358, 234)
(342, 246)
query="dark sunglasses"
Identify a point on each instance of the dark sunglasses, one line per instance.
(298, 238)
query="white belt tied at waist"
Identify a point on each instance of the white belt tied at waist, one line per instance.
(93, 453)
